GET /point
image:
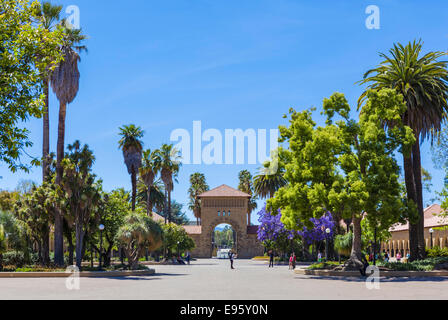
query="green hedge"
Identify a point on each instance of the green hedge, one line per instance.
(427, 264)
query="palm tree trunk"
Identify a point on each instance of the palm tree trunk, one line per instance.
(417, 167)
(166, 204)
(58, 224)
(79, 244)
(46, 134)
(134, 188)
(169, 206)
(412, 196)
(149, 204)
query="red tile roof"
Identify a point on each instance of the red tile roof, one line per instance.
(432, 219)
(224, 191)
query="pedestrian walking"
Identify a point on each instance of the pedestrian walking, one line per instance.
(271, 259)
(188, 257)
(294, 261)
(231, 257)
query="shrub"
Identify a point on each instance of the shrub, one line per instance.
(418, 265)
(437, 252)
(329, 265)
(14, 258)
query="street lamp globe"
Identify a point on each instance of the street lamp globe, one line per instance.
(431, 230)
(328, 230)
(101, 227)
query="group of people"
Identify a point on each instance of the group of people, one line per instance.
(292, 260)
(398, 256)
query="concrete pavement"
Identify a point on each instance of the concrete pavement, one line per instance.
(211, 279)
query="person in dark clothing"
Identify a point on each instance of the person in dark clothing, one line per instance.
(231, 257)
(271, 259)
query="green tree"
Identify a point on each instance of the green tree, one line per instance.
(176, 239)
(36, 209)
(246, 185)
(27, 51)
(347, 167)
(266, 183)
(167, 159)
(112, 212)
(81, 192)
(3, 245)
(156, 196)
(148, 172)
(8, 200)
(422, 81)
(132, 147)
(198, 185)
(178, 216)
(139, 232)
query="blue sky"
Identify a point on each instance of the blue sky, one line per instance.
(230, 64)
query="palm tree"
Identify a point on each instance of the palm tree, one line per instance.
(267, 183)
(198, 185)
(148, 172)
(132, 147)
(156, 195)
(167, 159)
(65, 84)
(423, 82)
(47, 15)
(246, 186)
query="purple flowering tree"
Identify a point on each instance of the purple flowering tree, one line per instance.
(273, 233)
(318, 233)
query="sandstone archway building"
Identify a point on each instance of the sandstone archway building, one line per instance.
(225, 205)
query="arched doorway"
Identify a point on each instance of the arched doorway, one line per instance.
(224, 238)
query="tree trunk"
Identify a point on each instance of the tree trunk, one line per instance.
(169, 207)
(355, 260)
(58, 239)
(58, 225)
(71, 249)
(107, 257)
(412, 196)
(417, 167)
(46, 133)
(149, 204)
(79, 244)
(134, 188)
(46, 247)
(166, 204)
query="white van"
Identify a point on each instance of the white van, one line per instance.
(223, 254)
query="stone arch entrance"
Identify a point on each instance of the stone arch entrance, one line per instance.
(238, 232)
(225, 205)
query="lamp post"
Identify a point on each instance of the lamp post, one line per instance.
(327, 233)
(101, 227)
(431, 231)
(178, 253)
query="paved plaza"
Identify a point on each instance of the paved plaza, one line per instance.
(213, 280)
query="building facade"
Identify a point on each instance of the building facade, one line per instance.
(399, 241)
